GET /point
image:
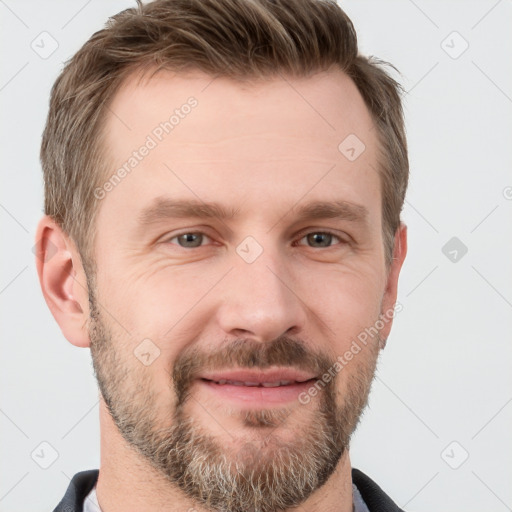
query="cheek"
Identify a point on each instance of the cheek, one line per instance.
(151, 303)
(175, 303)
(162, 313)
(347, 300)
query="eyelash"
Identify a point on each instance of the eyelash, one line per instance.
(302, 236)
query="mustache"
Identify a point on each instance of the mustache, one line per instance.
(247, 353)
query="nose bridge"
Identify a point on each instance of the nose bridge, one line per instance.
(259, 299)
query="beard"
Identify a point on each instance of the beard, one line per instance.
(261, 471)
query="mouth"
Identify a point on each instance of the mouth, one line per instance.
(258, 388)
(276, 384)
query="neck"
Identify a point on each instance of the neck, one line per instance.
(128, 483)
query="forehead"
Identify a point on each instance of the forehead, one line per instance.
(241, 143)
(326, 104)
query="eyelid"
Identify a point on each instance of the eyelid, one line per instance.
(324, 231)
(302, 234)
(167, 239)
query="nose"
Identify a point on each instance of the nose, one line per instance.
(260, 300)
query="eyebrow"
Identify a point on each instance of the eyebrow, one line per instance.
(166, 208)
(343, 210)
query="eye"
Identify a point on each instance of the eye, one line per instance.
(320, 239)
(189, 240)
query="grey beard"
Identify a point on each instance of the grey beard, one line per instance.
(263, 474)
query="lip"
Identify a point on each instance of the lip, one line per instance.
(256, 395)
(259, 376)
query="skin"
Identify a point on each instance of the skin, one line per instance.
(264, 148)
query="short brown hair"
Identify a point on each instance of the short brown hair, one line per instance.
(238, 39)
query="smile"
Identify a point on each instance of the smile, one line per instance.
(254, 384)
(256, 389)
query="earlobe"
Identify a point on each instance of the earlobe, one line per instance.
(63, 281)
(390, 293)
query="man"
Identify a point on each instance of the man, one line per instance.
(223, 187)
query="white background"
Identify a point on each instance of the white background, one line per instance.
(446, 373)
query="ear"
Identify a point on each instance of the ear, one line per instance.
(63, 281)
(390, 293)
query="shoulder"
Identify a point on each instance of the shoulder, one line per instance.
(79, 487)
(375, 498)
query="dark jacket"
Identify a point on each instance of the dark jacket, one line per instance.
(82, 483)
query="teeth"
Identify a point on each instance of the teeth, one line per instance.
(255, 384)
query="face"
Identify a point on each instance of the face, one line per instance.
(238, 258)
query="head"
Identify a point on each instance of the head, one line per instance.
(223, 188)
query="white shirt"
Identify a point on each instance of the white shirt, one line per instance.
(91, 502)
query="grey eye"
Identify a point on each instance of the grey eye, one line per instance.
(320, 239)
(189, 240)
